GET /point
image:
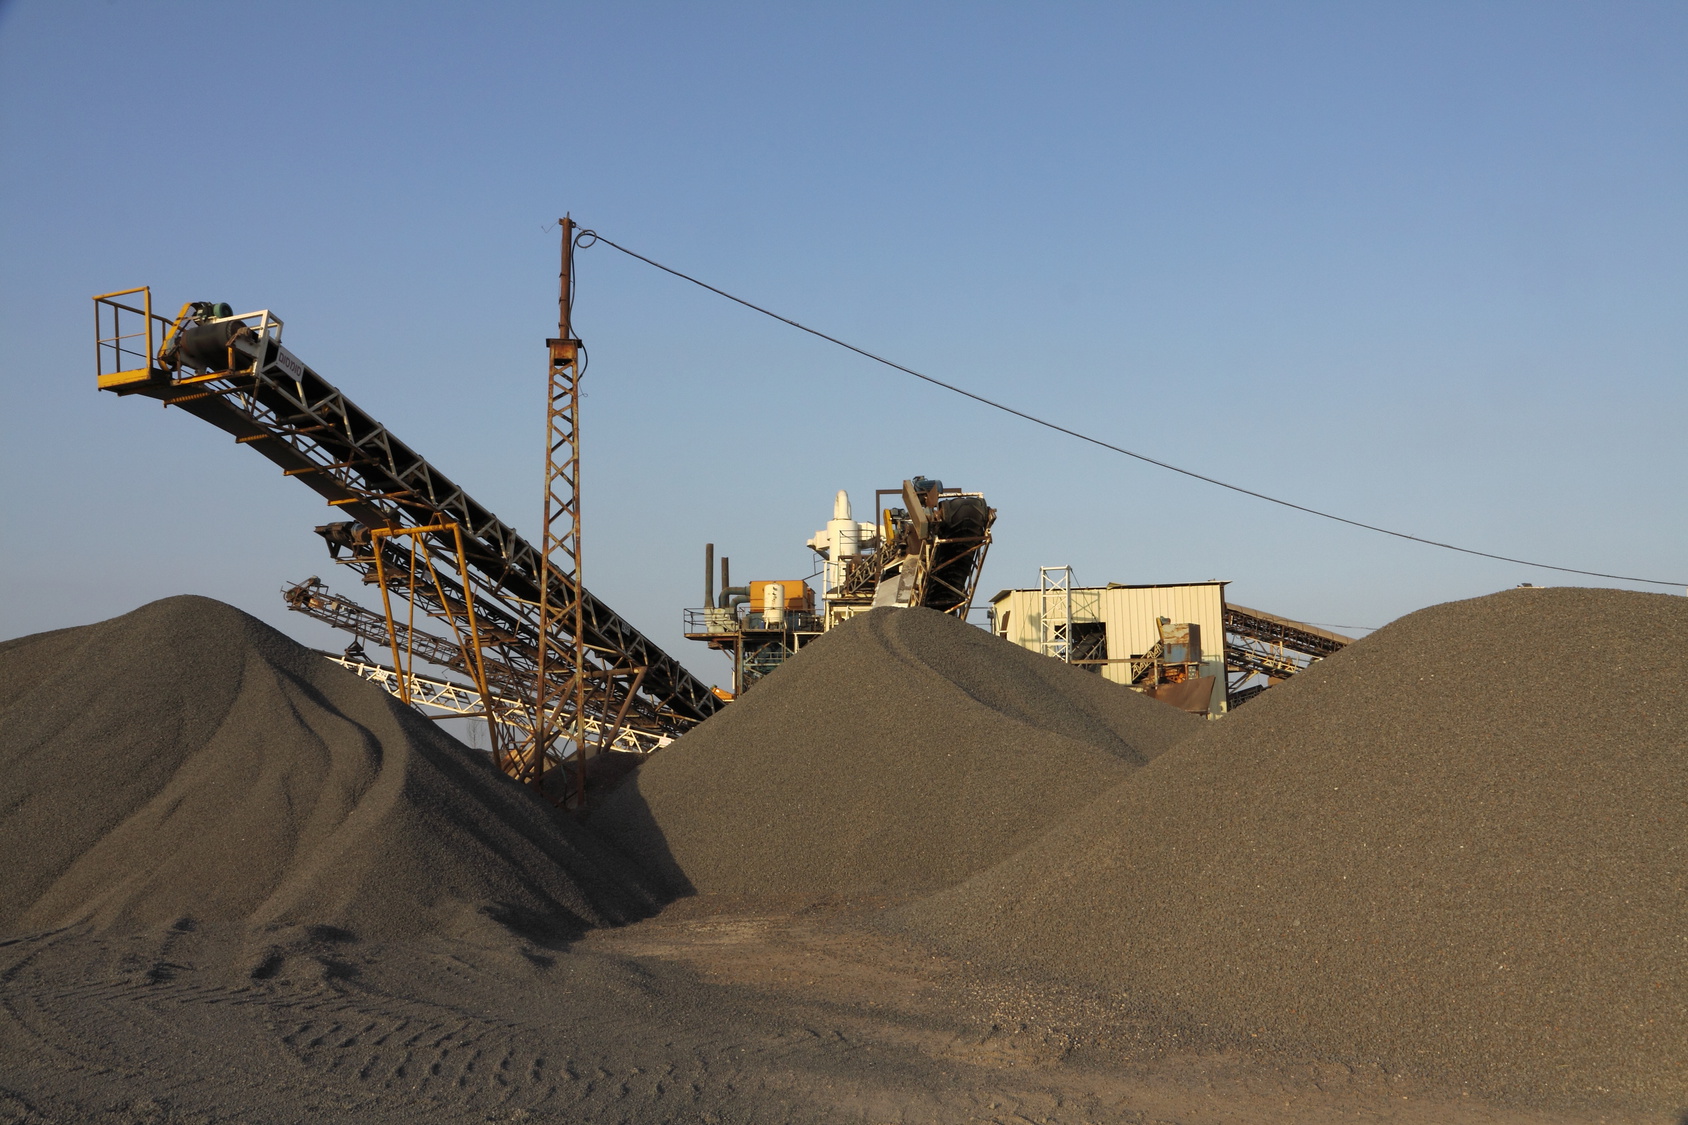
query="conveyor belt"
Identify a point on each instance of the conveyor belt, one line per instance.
(1272, 629)
(268, 399)
(1264, 644)
(463, 699)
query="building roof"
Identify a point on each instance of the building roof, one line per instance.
(999, 595)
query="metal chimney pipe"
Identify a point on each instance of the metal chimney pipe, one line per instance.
(708, 575)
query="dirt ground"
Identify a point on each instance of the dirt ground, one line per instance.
(717, 1010)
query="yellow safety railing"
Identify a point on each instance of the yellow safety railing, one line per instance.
(127, 351)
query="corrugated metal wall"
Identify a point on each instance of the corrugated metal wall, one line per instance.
(1130, 614)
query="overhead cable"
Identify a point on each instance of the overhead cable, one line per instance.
(588, 238)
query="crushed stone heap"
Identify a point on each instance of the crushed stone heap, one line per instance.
(1459, 846)
(899, 753)
(188, 762)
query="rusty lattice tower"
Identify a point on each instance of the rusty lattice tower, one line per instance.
(560, 706)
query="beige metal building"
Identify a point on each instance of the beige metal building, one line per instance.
(1117, 628)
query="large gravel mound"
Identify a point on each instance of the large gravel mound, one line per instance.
(186, 761)
(1459, 846)
(901, 752)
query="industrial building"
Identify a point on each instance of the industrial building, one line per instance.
(1181, 642)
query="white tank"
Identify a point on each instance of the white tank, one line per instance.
(845, 540)
(842, 539)
(773, 604)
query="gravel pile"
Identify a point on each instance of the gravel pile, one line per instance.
(900, 752)
(1459, 846)
(186, 761)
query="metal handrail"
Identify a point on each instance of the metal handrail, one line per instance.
(708, 620)
(115, 346)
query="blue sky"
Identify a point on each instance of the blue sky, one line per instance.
(1421, 265)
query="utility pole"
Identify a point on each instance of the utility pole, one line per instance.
(560, 602)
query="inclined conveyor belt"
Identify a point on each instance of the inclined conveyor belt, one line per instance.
(273, 402)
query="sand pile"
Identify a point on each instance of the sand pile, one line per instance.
(900, 752)
(186, 761)
(1459, 846)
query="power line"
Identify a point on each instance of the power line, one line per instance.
(589, 238)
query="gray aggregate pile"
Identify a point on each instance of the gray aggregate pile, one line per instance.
(187, 764)
(1459, 846)
(899, 753)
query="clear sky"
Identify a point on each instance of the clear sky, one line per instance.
(1422, 265)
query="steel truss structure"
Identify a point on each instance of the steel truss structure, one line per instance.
(511, 716)
(465, 633)
(562, 618)
(1263, 644)
(1055, 610)
(314, 599)
(932, 550)
(232, 371)
(755, 645)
